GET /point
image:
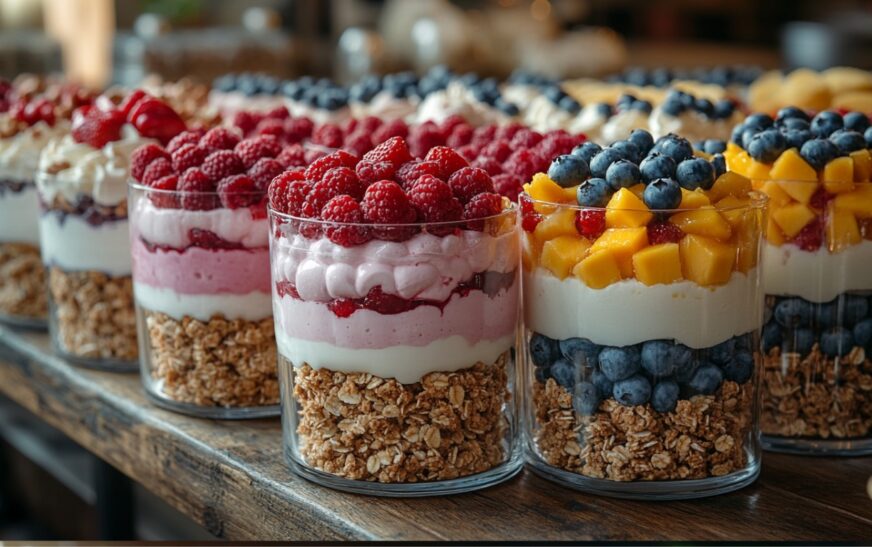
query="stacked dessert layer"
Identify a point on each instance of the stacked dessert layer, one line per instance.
(396, 300)
(640, 299)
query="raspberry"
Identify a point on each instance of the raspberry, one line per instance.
(484, 134)
(165, 200)
(273, 128)
(292, 156)
(508, 131)
(590, 223)
(499, 150)
(394, 128)
(238, 191)
(219, 138)
(492, 166)
(278, 113)
(342, 307)
(199, 191)
(246, 121)
(522, 163)
(468, 182)
(264, 171)
(434, 201)
(507, 185)
(296, 196)
(207, 239)
(298, 129)
(345, 209)
(530, 218)
(461, 135)
(424, 137)
(452, 121)
(252, 149)
(658, 232)
(410, 172)
(340, 158)
(384, 303)
(185, 137)
(525, 138)
(368, 124)
(385, 202)
(157, 169)
(449, 161)
(328, 135)
(810, 238)
(143, 156)
(281, 196)
(222, 164)
(348, 126)
(358, 143)
(343, 180)
(371, 172)
(469, 152)
(313, 153)
(393, 150)
(187, 156)
(556, 144)
(821, 199)
(481, 206)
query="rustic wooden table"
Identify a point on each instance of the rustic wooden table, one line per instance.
(231, 478)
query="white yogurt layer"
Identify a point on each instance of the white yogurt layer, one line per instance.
(407, 364)
(629, 312)
(74, 245)
(253, 306)
(172, 227)
(819, 276)
(19, 216)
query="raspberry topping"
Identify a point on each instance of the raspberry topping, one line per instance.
(448, 160)
(246, 121)
(385, 202)
(410, 172)
(664, 232)
(292, 156)
(155, 119)
(187, 156)
(329, 135)
(468, 182)
(255, 148)
(461, 135)
(264, 171)
(820, 199)
(219, 138)
(157, 169)
(530, 218)
(369, 172)
(590, 223)
(393, 150)
(340, 158)
(481, 206)
(507, 185)
(199, 191)
(298, 129)
(272, 128)
(394, 128)
(222, 164)
(165, 200)
(96, 127)
(434, 200)
(345, 209)
(424, 137)
(280, 192)
(358, 143)
(142, 158)
(238, 191)
(492, 166)
(185, 137)
(811, 237)
(343, 180)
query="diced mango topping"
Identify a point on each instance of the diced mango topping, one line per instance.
(733, 210)
(791, 166)
(692, 199)
(801, 191)
(560, 222)
(858, 202)
(842, 230)
(658, 264)
(625, 210)
(773, 234)
(730, 184)
(862, 165)
(599, 270)
(623, 243)
(542, 188)
(792, 218)
(838, 175)
(777, 196)
(759, 171)
(706, 261)
(561, 254)
(705, 221)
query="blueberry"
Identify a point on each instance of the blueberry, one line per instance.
(664, 397)
(662, 194)
(847, 141)
(602, 160)
(799, 341)
(837, 342)
(623, 174)
(825, 123)
(771, 337)
(791, 113)
(856, 121)
(748, 135)
(863, 333)
(740, 367)
(657, 358)
(628, 150)
(760, 121)
(825, 314)
(736, 134)
(684, 372)
(657, 166)
(704, 107)
(620, 363)
(852, 309)
(795, 138)
(603, 384)
(507, 108)
(580, 351)
(586, 399)
(723, 352)
(570, 105)
(635, 390)
(568, 170)
(744, 342)
(604, 109)
(626, 101)
(641, 106)
(677, 148)
(586, 151)
(767, 145)
(563, 373)
(542, 374)
(642, 139)
(818, 152)
(593, 192)
(714, 146)
(867, 135)
(706, 380)
(719, 164)
(724, 108)
(543, 350)
(695, 173)
(793, 312)
(796, 124)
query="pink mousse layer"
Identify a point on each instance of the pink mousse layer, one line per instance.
(201, 271)
(476, 317)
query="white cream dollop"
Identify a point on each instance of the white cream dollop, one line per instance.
(19, 154)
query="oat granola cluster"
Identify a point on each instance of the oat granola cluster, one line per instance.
(817, 396)
(229, 363)
(94, 314)
(22, 281)
(704, 436)
(363, 427)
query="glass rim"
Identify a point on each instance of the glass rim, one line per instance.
(511, 211)
(758, 200)
(821, 182)
(134, 185)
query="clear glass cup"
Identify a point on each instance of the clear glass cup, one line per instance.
(22, 276)
(396, 352)
(640, 369)
(817, 341)
(201, 282)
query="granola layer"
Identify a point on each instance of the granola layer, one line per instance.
(94, 314)
(363, 427)
(22, 281)
(817, 396)
(221, 362)
(703, 437)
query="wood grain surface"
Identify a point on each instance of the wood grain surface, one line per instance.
(232, 479)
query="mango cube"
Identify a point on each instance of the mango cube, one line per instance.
(747, 240)
(705, 221)
(542, 188)
(791, 166)
(560, 222)
(692, 199)
(638, 190)
(799, 190)
(658, 264)
(730, 184)
(738, 161)
(777, 196)
(792, 218)
(773, 234)
(838, 175)
(705, 261)
(733, 210)
(759, 171)
(598, 270)
(862, 165)
(561, 254)
(625, 210)
(842, 230)
(858, 202)
(623, 243)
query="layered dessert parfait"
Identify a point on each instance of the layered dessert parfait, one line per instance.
(396, 305)
(817, 385)
(478, 100)
(198, 233)
(642, 312)
(694, 118)
(82, 184)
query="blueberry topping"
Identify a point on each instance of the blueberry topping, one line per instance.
(543, 350)
(867, 135)
(563, 373)
(603, 385)
(580, 351)
(792, 313)
(759, 121)
(771, 337)
(723, 352)
(706, 380)
(664, 397)
(628, 150)
(825, 123)
(657, 166)
(853, 309)
(657, 358)
(641, 106)
(799, 341)
(569, 105)
(635, 390)
(568, 170)
(796, 123)
(586, 151)
(837, 342)
(677, 148)
(740, 367)
(791, 113)
(662, 194)
(767, 145)
(704, 107)
(856, 121)
(863, 333)
(719, 164)
(604, 109)
(620, 363)
(724, 108)
(623, 174)
(795, 138)
(642, 139)
(594, 192)
(602, 160)
(847, 141)
(714, 146)
(818, 152)
(695, 173)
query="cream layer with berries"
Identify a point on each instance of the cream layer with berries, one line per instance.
(818, 276)
(692, 125)
(458, 100)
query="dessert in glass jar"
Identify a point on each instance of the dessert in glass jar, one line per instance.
(817, 381)
(642, 312)
(396, 308)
